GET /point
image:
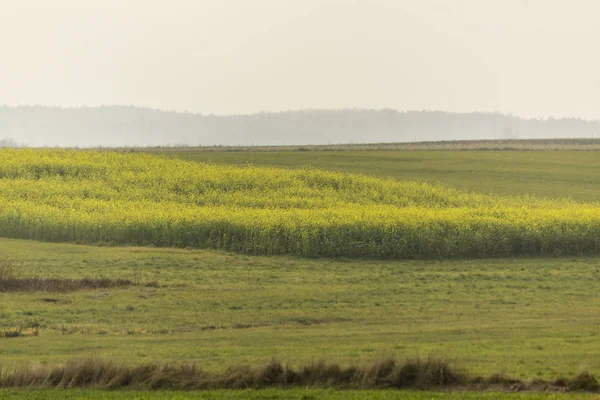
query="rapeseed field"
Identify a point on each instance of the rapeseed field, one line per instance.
(141, 199)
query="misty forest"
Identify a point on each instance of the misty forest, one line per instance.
(134, 126)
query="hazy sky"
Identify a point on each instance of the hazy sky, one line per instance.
(528, 57)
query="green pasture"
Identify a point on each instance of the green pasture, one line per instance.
(525, 317)
(553, 174)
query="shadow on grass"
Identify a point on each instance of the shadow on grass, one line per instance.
(59, 285)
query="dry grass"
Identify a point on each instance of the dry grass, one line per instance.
(6, 269)
(59, 285)
(9, 282)
(384, 374)
(584, 381)
(108, 375)
(11, 333)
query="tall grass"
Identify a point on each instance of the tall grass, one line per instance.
(140, 199)
(6, 269)
(108, 375)
(383, 374)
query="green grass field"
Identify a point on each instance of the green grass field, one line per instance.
(522, 316)
(526, 317)
(554, 174)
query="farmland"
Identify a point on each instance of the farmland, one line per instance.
(92, 197)
(216, 304)
(548, 174)
(526, 317)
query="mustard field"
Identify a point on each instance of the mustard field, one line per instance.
(141, 199)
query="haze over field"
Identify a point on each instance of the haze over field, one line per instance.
(130, 126)
(299, 195)
(531, 58)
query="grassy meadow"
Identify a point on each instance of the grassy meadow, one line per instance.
(526, 317)
(522, 316)
(550, 174)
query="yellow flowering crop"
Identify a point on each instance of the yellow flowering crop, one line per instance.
(139, 199)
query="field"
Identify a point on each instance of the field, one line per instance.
(522, 316)
(526, 317)
(96, 197)
(548, 174)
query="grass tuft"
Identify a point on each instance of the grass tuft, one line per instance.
(6, 269)
(11, 333)
(583, 381)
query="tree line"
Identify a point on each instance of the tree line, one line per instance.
(137, 126)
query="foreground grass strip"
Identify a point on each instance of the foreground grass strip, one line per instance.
(287, 394)
(385, 374)
(117, 198)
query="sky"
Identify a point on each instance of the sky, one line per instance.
(532, 58)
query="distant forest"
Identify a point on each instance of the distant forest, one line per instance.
(134, 126)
